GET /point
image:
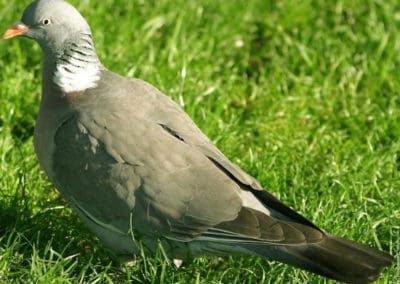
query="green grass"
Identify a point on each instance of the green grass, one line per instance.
(304, 95)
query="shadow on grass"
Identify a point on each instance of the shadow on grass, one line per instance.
(53, 230)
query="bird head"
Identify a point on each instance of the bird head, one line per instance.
(66, 41)
(51, 23)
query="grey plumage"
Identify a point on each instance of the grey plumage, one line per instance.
(134, 166)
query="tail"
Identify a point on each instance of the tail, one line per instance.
(333, 257)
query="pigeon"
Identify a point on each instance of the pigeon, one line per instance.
(139, 172)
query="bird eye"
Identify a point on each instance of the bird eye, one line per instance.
(46, 22)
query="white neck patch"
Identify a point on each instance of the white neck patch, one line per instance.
(78, 67)
(75, 76)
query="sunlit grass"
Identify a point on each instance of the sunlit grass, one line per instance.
(304, 95)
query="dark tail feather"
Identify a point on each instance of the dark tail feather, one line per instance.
(334, 257)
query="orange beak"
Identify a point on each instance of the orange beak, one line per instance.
(17, 29)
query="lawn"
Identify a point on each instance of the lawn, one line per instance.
(304, 95)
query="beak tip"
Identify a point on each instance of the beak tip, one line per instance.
(6, 36)
(18, 29)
